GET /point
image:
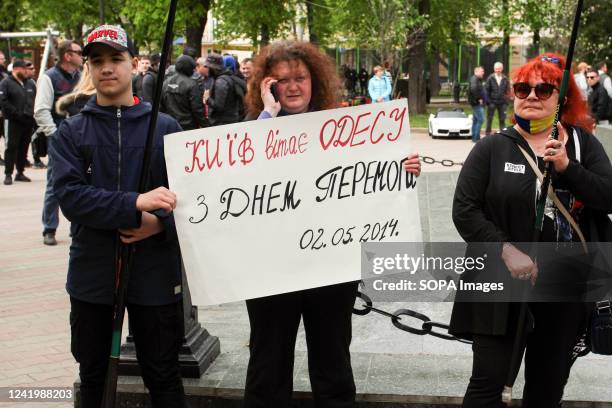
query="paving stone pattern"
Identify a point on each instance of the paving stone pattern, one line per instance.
(388, 364)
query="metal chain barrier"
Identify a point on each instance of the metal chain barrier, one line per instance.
(580, 349)
(445, 162)
(427, 325)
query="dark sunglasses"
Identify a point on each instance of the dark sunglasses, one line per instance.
(591, 77)
(543, 91)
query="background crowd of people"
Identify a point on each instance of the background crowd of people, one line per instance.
(495, 94)
(209, 91)
(197, 91)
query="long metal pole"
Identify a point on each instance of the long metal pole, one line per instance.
(46, 52)
(520, 338)
(126, 252)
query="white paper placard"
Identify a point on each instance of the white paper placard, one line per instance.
(278, 205)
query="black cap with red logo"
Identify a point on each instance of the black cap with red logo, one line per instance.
(111, 35)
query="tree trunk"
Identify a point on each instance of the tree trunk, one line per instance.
(265, 34)
(101, 15)
(79, 32)
(416, 69)
(434, 73)
(194, 31)
(314, 38)
(506, 51)
(536, 42)
(506, 41)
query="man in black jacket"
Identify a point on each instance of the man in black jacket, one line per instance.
(599, 102)
(17, 95)
(497, 88)
(205, 81)
(226, 98)
(477, 99)
(182, 96)
(144, 63)
(150, 78)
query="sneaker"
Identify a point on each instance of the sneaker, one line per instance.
(8, 180)
(49, 238)
(39, 165)
(21, 177)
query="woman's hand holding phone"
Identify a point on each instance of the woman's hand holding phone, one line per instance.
(270, 99)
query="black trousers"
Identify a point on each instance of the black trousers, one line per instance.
(18, 137)
(501, 112)
(274, 324)
(557, 327)
(158, 335)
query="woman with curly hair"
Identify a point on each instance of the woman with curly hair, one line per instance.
(305, 80)
(495, 203)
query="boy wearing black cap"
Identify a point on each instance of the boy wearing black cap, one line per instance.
(98, 159)
(17, 93)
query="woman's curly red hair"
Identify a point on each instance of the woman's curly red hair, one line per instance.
(325, 80)
(575, 109)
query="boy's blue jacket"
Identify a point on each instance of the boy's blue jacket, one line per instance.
(98, 157)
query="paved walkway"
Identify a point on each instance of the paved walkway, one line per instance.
(35, 335)
(34, 340)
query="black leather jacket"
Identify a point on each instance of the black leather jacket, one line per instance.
(182, 99)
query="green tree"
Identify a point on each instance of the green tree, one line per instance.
(145, 20)
(535, 16)
(500, 19)
(594, 41)
(388, 26)
(381, 25)
(257, 20)
(11, 16)
(319, 20)
(195, 22)
(452, 25)
(69, 17)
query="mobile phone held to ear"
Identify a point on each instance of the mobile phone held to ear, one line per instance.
(274, 91)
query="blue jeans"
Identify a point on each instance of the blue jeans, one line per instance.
(50, 214)
(477, 121)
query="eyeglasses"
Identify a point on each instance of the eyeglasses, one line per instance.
(543, 91)
(77, 52)
(591, 77)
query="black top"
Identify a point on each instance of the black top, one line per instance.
(476, 91)
(182, 99)
(17, 100)
(495, 202)
(226, 101)
(97, 159)
(497, 94)
(599, 103)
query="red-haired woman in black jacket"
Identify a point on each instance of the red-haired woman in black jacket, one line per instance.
(495, 203)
